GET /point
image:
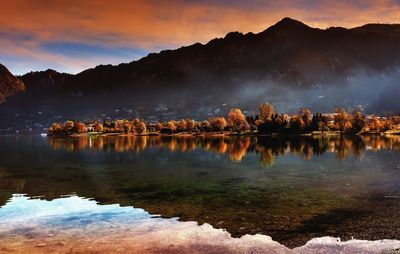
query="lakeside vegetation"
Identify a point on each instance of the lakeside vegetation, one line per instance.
(267, 122)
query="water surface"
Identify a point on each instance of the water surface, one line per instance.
(292, 189)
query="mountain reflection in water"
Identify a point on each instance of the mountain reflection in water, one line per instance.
(292, 189)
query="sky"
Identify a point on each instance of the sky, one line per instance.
(71, 35)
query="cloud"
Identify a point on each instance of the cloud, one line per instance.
(127, 30)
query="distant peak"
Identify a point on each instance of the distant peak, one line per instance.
(289, 20)
(286, 23)
(233, 35)
(45, 72)
(51, 71)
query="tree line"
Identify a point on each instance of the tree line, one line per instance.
(267, 121)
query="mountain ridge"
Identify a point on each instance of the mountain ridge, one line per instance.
(284, 24)
(392, 29)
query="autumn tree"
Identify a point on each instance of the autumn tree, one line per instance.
(266, 111)
(276, 124)
(205, 126)
(140, 127)
(182, 125)
(238, 120)
(117, 126)
(319, 122)
(296, 123)
(222, 123)
(158, 126)
(342, 120)
(134, 121)
(107, 123)
(190, 125)
(358, 120)
(55, 128)
(375, 124)
(128, 127)
(98, 127)
(68, 126)
(306, 116)
(169, 127)
(396, 120)
(124, 126)
(80, 127)
(388, 124)
(280, 122)
(218, 123)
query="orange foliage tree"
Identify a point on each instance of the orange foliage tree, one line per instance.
(80, 127)
(266, 111)
(98, 127)
(342, 120)
(306, 116)
(238, 120)
(375, 124)
(218, 123)
(190, 125)
(68, 126)
(140, 127)
(182, 125)
(55, 128)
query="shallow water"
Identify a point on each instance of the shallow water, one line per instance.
(292, 189)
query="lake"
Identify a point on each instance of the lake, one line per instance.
(151, 191)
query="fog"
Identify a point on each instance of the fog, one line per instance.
(375, 92)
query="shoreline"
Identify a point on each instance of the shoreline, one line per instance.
(229, 134)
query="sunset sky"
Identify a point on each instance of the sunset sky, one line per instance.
(71, 35)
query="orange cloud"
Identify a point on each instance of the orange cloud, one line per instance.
(154, 25)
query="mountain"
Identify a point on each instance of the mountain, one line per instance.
(9, 85)
(289, 64)
(288, 51)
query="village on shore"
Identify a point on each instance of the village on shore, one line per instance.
(266, 122)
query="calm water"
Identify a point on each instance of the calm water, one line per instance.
(292, 189)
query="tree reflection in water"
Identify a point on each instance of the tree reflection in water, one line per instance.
(268, 148)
